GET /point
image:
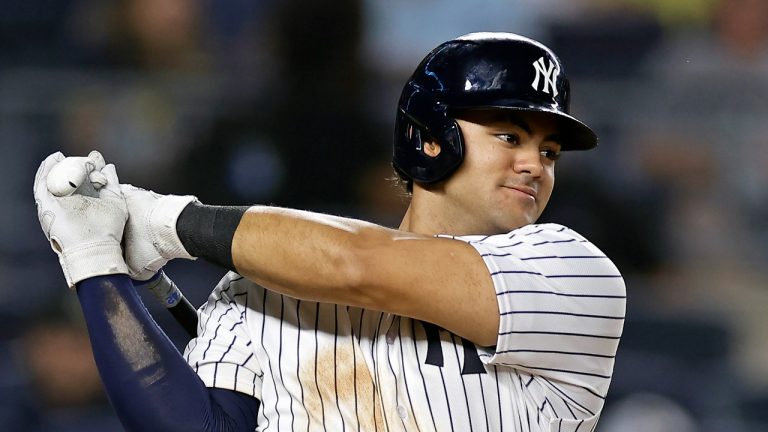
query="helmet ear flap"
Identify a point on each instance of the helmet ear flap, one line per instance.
(419, 119)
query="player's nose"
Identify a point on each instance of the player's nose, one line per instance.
(527, 160)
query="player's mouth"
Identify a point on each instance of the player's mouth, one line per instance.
(525, 190)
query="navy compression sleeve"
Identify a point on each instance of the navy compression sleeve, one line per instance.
(150, 385)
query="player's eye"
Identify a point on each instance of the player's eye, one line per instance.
(550, 154)
(511, 138)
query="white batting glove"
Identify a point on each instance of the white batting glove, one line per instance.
(84, 231)
(150, 235)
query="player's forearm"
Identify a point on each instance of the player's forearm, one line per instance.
(148, 382)
(308, 255)
(305, 255)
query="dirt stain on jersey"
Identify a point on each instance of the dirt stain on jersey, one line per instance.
(342, 375)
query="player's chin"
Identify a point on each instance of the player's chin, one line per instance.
(516, 220)
(511, 214)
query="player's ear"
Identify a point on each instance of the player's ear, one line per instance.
(431, 148)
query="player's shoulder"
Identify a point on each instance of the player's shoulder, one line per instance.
(535, 240)
(542, 247)
(539, 234)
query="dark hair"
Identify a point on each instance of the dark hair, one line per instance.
(402, 183)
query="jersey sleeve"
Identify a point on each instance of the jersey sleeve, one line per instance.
(222, 353)
(562, 304)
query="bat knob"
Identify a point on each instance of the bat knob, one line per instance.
(67, 176)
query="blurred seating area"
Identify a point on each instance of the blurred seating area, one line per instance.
(292, 103)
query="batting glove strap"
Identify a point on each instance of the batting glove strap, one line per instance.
(92, 259)
(162, 222)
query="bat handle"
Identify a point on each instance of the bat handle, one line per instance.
(170, 296)
(186, 315)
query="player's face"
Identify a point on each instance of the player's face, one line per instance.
(508, 172)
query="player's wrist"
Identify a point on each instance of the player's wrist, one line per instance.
(207, 231)
(163, 218)
(91, 260)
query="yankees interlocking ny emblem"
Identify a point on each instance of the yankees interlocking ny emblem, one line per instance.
(548, 73)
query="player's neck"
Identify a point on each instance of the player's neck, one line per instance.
(415, 224)
(432, 212)
(429, 218)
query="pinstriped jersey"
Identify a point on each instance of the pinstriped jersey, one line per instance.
(318, 366)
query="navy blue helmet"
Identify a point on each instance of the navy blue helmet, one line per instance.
(478, 71)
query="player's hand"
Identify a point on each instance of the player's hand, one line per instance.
(150, 235)
(83, 229)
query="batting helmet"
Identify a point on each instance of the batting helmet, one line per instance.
(478, 71)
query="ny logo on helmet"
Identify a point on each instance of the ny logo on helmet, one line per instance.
(550, 76)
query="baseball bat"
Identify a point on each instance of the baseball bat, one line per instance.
(168, 294)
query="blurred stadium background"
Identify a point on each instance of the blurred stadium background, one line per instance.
(292, 102)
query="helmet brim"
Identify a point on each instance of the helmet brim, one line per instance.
(575, 134)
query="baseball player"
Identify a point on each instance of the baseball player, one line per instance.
(468, 317)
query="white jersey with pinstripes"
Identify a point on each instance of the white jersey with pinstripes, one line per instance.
(324, 367)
